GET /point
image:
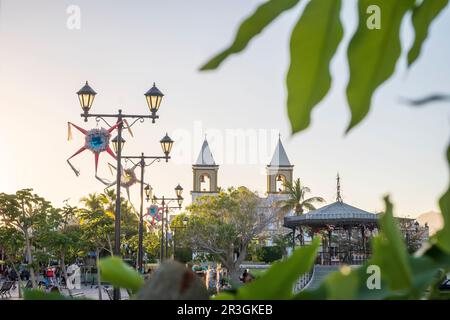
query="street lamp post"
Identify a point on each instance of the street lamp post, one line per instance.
(166, 243)
(164, 201)
(86, 97)
(143, 164)
(175, 229)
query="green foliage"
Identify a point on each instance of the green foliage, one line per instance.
(390, 254)
(183, 255)
(296, 198)
(23, 210)
(372, 57)
(423, 16)
(402, 276)
(278, 281)
(252, 26)
(270, 254)
(226, 224)
(58, 235)
(314, 41)
(151, 244)
(442, 238)
(373, 54)
(12, 242)
(283, 242)
(37, 294)
(120, 274)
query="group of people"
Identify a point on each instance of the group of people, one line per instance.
(8, 273)
(49, 276)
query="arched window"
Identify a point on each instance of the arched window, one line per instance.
(205, 182)
(280, 183)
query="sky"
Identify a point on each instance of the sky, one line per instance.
(122, 47)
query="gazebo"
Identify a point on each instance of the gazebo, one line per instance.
(346, 231)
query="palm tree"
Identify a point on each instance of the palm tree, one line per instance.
(92, 202)
(296, 200)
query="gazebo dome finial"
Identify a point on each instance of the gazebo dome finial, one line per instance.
(338, 188)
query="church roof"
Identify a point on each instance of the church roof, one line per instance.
(205, 157)
(337, 213)
(280, 158)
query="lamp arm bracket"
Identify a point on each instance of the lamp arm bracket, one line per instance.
(153, 161)
(98, 118)
(140, 119)
(134, 163)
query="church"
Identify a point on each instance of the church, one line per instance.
(205, 173)
(346, 230)
(278, 171)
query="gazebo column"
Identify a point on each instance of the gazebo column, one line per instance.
(349, 238)
(363, 240)
(330, 232)
(293, 239)
(302, 236)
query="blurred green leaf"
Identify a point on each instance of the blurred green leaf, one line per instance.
(278, 282)
(36, 294)
(443, 236)
(422, 17)
(120, 274)
(314, 41)
(363, 291)
(390, 254)
(342, 284)
(317, 294)
(439, 256)
(224, 296)
(250, 27)
(425, 273)
(373, 54)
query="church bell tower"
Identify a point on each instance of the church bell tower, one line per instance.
(279, 171)
(204, 173)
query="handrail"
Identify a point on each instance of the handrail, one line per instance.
(304, 280)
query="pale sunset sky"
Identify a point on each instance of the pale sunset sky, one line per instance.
(122, 47)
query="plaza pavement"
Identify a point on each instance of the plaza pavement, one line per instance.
(89, 293)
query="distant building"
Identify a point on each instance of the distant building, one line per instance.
(279, 171)
(346, 230)
(205, 171)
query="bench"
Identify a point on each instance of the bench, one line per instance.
(109, 292)
(5, 289)
(77, 295)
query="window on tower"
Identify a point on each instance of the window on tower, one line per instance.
(280, 183)
(205, 182)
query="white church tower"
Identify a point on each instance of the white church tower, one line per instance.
(204, 173)
(279, 171)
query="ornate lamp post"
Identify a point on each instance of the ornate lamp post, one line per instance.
(164, 202)
(166, 145)
(175, 229)
(86, 97)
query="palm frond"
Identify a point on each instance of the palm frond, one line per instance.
(309, 206)
(315, 199)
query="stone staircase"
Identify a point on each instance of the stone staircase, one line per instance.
(320, 273)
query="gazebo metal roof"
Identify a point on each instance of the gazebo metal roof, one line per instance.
(338, 214)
